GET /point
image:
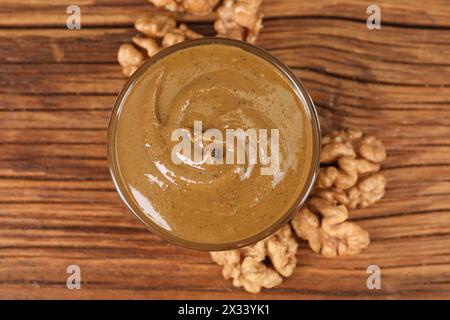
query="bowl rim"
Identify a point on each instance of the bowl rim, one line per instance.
(117, 179)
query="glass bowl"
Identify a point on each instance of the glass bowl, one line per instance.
(118, 180)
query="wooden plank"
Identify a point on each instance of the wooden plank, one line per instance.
(300, 43)
(58, 205)
(432, 14)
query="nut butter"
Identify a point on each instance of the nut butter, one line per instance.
(222, 84)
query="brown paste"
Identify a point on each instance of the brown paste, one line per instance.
(224, 87)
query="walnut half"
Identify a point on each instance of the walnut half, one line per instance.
(239, 19)
(327, 230)
(129, 58)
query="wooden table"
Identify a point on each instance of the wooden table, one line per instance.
(57, 203)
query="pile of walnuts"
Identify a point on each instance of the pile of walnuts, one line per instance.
(348, 178)
(248, 267)
(158, 32)
(349, 175)
(238, 19)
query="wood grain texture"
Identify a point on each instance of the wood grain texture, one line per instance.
(57, 203)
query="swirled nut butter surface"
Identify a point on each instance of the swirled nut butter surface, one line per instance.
(195, 89)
